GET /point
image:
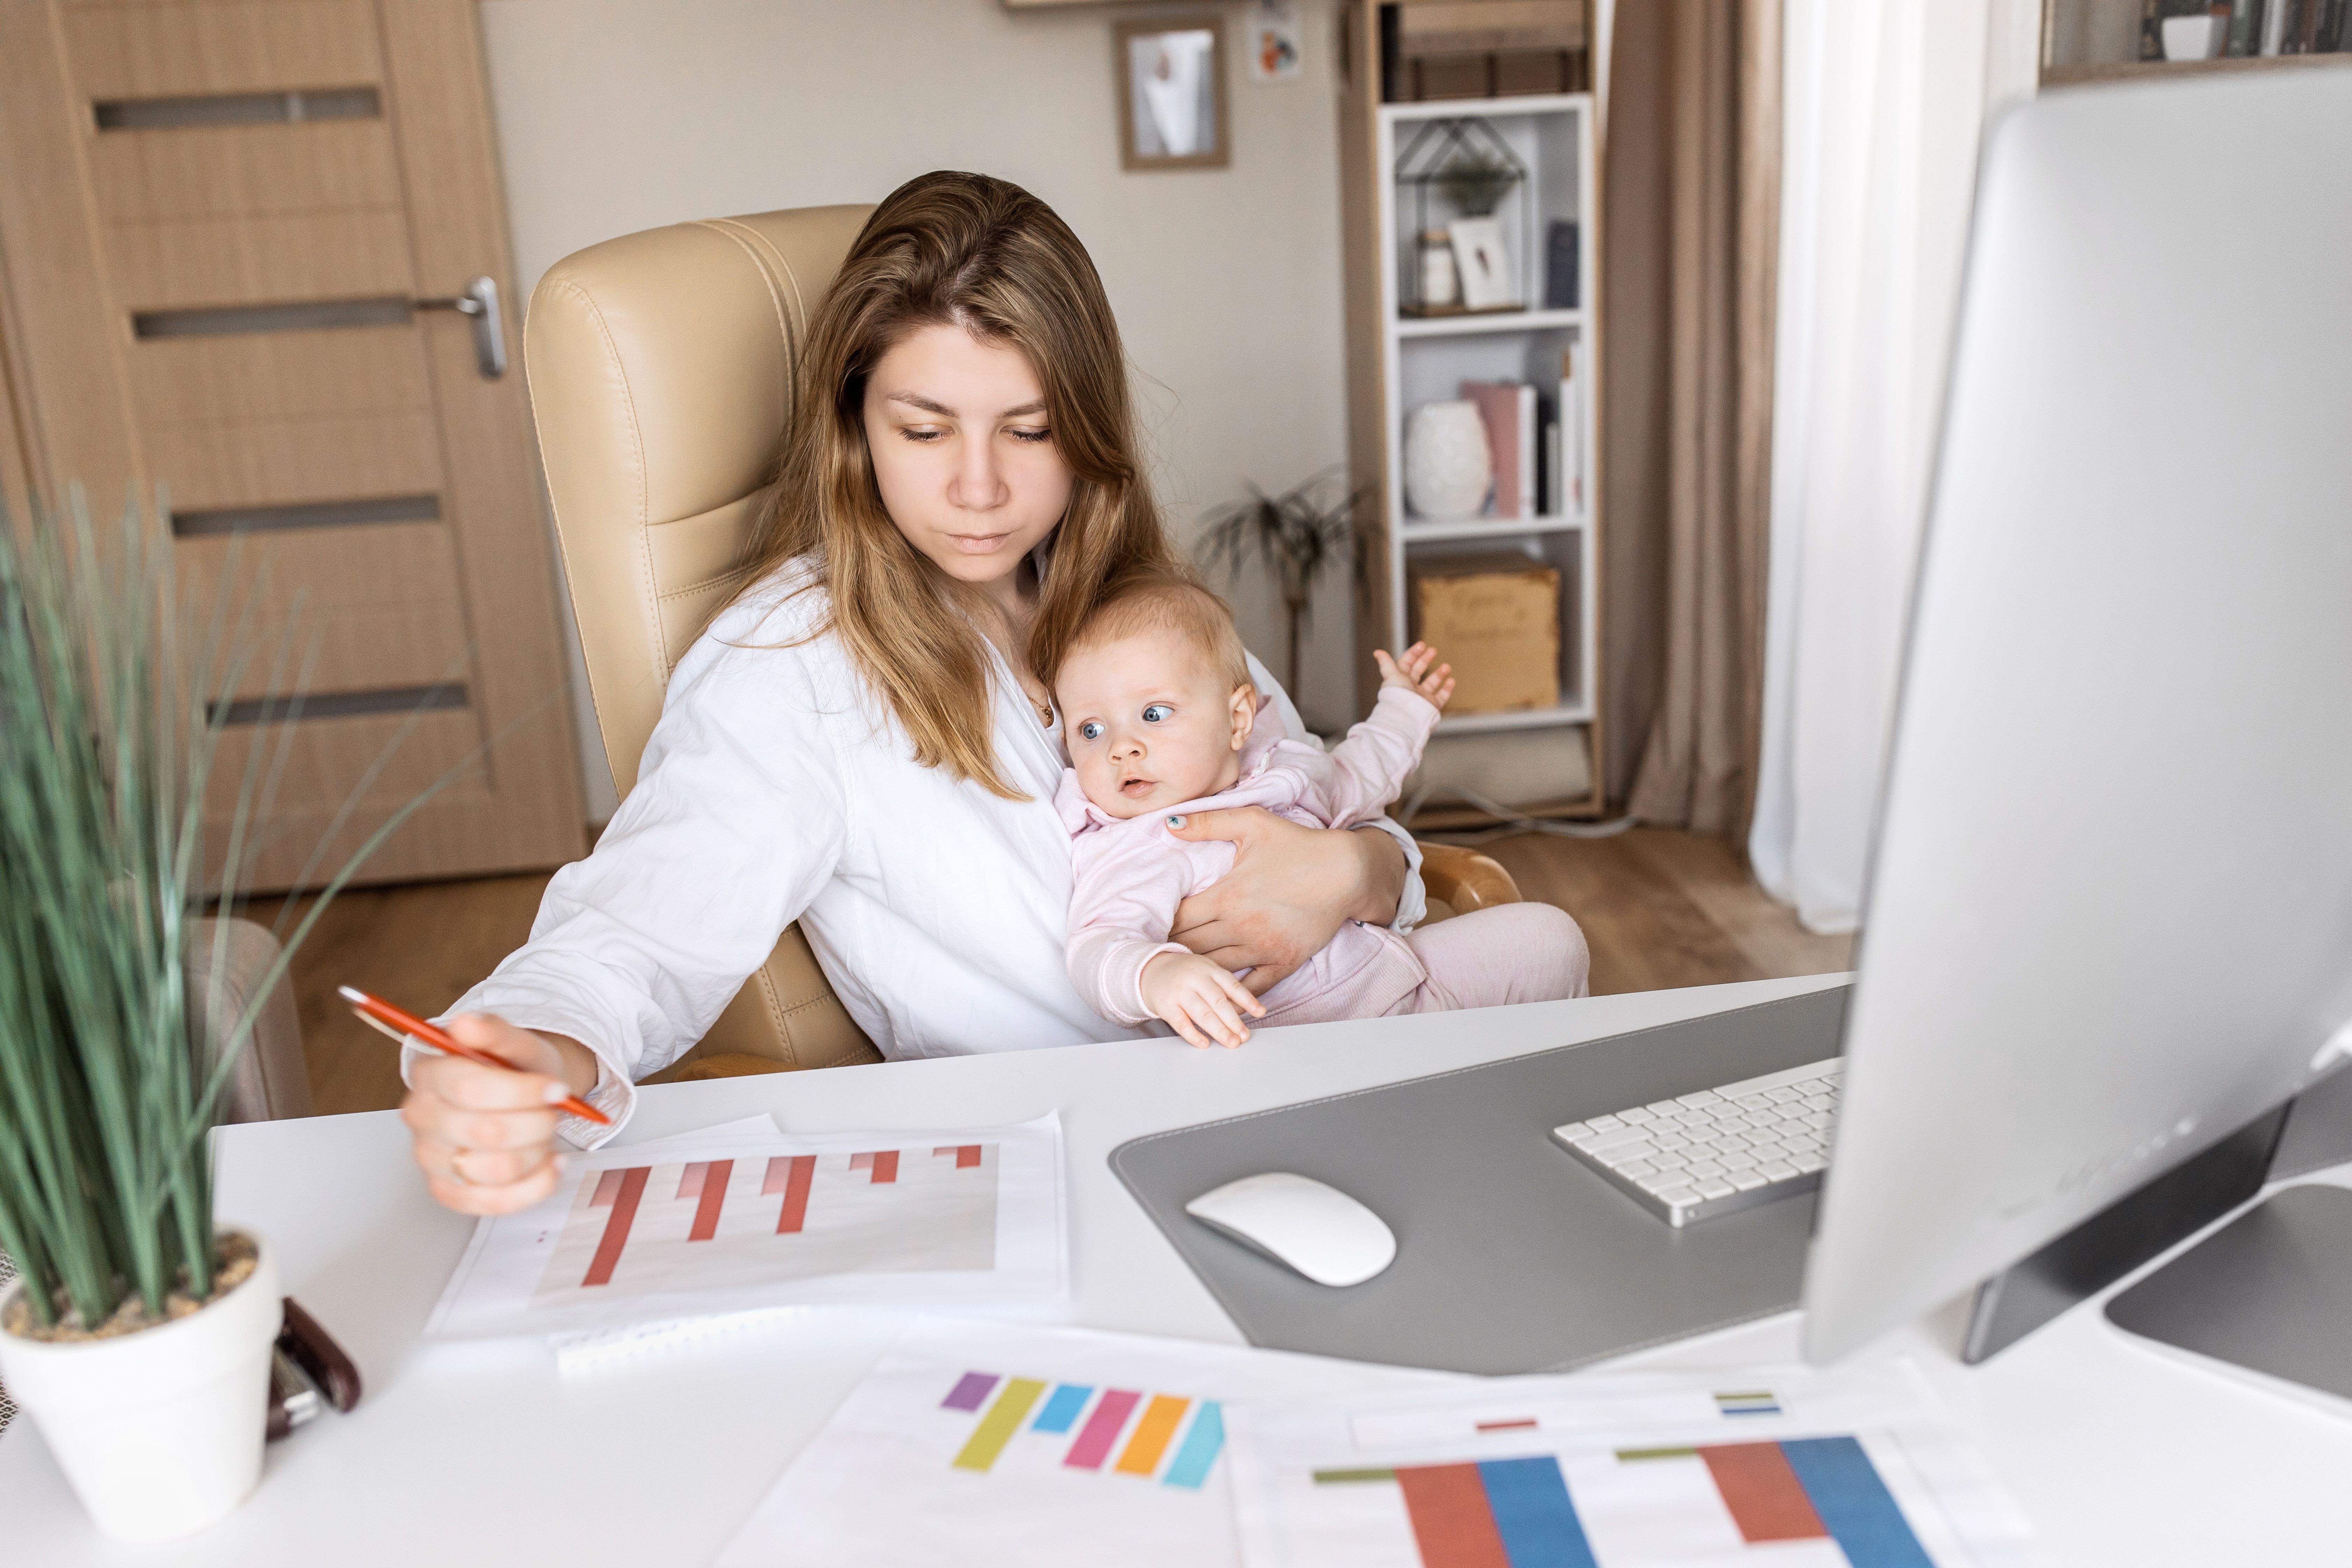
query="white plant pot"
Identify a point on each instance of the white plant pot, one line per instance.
(1447, 466)
(2194, 38)
(160, 1431)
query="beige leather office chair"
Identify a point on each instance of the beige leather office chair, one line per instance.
(661, 372)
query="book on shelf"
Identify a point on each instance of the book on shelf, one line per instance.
(1548, 488)
(1560, 262)
(2245, 22)
(2323, 31)
(2275, 26)
(2272, 28)
(1508, 409)
(1562, 441)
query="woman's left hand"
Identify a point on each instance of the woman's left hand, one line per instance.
(1290, 890)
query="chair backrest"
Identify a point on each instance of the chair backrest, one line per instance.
(661, 368)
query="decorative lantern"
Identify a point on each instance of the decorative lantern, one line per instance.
(1452, 170)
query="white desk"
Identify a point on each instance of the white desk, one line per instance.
(2119, 1456)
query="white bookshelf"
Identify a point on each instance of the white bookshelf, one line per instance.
(1425, 358)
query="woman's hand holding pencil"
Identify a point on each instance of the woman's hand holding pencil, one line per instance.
(485, 1134)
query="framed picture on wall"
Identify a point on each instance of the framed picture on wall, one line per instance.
(1172, 92)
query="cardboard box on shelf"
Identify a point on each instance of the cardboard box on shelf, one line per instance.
(1486, 48)
(1494, 617)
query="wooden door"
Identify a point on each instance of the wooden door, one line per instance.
(216, 219)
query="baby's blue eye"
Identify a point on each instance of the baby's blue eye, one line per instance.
(1157, 713)
(1090, 731)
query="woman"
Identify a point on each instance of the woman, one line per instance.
(860, 742)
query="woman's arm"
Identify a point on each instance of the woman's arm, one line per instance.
(738, 818)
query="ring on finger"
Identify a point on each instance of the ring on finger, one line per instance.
(457, 1168)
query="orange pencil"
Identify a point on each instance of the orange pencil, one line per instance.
(398, 1022)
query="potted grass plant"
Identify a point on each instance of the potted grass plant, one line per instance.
(1299, 535)
(137, 1335)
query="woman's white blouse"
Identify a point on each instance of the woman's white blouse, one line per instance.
(772, 790)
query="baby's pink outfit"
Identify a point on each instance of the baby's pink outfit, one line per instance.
(1129, 876)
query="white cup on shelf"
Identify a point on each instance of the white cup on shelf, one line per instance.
(2194, 38)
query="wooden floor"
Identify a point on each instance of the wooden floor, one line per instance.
(1660, 909)
(1664, 909)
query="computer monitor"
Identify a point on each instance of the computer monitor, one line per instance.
(2109, 915)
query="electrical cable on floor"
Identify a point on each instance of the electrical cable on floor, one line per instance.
(1510, 821)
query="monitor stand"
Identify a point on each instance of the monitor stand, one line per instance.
(2267, 1296)
(2144, 1224)
(2140, 1226)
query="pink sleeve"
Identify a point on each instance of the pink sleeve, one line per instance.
(1125, 887)
(1357, 778)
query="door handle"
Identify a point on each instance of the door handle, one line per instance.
(480, 300)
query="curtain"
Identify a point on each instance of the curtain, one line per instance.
(1883, 107)
(1691, 210)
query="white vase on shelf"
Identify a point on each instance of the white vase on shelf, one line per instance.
(1448, 467)
(2195, 37)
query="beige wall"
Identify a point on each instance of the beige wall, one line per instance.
(616, 115)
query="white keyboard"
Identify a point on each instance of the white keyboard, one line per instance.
(1719, 1150)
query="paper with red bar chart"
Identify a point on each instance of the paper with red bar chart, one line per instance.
(966, 1218)
(985, 1443)
(1788, 1467)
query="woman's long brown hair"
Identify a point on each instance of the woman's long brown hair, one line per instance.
(981, 254)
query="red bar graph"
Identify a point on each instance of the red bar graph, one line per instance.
(882, 1163)
(692, 1201)
(713, 1192)
(790, 1174)
(1452, 1523)
(626, 1192)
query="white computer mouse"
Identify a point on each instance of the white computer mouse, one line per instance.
(1320, 1231)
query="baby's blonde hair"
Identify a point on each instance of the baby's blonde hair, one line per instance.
(1153, 601)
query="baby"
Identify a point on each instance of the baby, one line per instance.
(1161, 720)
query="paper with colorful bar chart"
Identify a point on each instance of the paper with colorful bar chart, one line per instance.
(982, 1444)
(1791, 1468)
(750, 1217)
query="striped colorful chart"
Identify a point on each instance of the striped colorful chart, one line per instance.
(1515, 1513)
(1805, 1488)
(788, 1177)
(1058, 1410)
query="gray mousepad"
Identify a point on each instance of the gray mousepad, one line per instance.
(1511, 1256)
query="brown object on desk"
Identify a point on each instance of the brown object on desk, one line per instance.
(306, 1340)
(308, 1369)
(1496, 619)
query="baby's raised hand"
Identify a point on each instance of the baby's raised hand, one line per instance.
(1199, 997)
(1413, 673)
